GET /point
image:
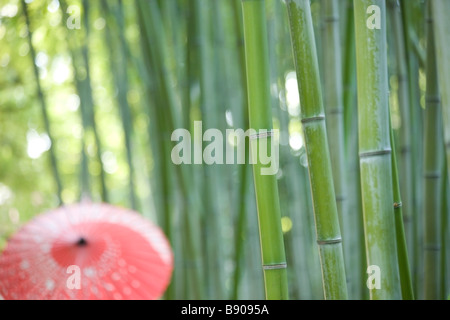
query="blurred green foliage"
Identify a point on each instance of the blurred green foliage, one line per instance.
(26, 183)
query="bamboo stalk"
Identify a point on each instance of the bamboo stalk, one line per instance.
(84, 90)
(356, 237)
(334, 110)
(196, 262)
(299, 244)
(445, 231)
(190, 215)
(418, 50)
(90, 112)
(440, 9)
(160, 174)
(85, 189)
(269, 216)
(416, 240)
(313, 119)
(242, 219)
(253, 273)
(375, 149)
(406, 169)
(213, 176)
(44, 108)
(118, 62)
(349, 75)
(402, 250)
(432, 174)
(157, 125)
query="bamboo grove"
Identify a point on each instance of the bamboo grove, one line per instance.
(355, 94)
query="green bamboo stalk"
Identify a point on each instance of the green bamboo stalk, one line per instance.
(243, 169)
(212, 175)
(445, 230)
(162, 176)
(333, 104)
(375, 149)
(356, 238)
(402, 250)
(418, 50)
(322, 190)
(253, 278)
(118, 62)
(440, 10)
(349, 75)
(90, 112)
(85, 179)
(269, 216)
(175, 29)
(240, 235)
(410, 20)
(298, 244)
(80, 58)
(85, 188)
(44, 108)
(432, 174)
(307, 230)
(288, 179)
(406, 169)
(159, 151)
(156, 57)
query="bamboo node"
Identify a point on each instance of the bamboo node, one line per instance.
(312, 119)
(433, 99)
(432, 175)
(336, 111)
(397, 205)
(330, 241)
(432, 247)
(274, 266)
(375, 153)
(402, 78)
(331, 19)
(260, 135)
(405, 149)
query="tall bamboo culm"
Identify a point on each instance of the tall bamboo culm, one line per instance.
(402, 248)
(401, 180)
(334, 111)
(44, 108)
(433, 155)
(441, 23)
(320, 174)
(260, 117)
(375, 147)
(410, 20)
(354, 206)
(405, 157)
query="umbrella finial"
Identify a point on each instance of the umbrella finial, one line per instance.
(81, 242)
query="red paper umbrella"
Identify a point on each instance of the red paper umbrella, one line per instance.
(86, 251)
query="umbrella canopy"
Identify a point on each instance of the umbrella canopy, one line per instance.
(86, 251)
